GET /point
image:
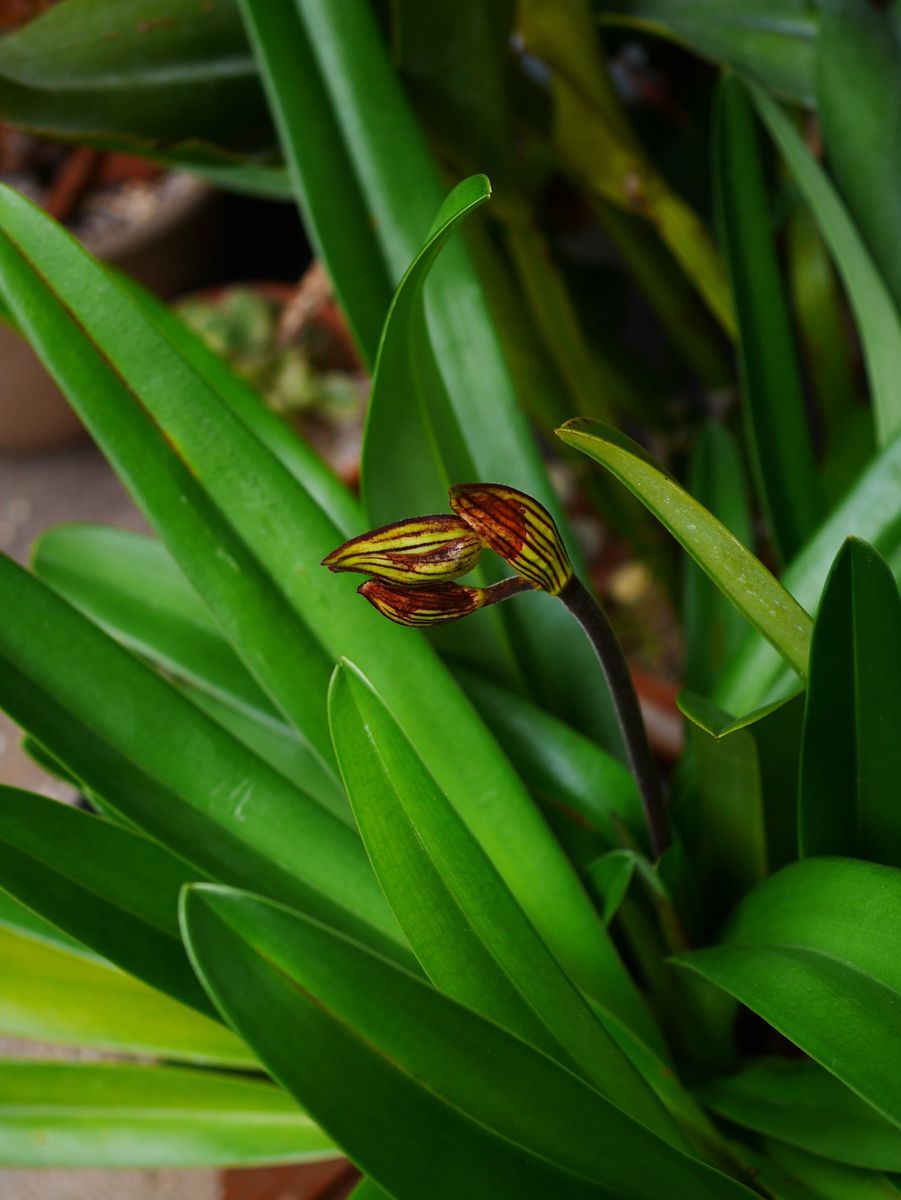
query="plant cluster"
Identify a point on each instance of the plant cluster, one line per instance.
(419, 895)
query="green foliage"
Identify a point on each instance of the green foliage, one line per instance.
(355, 890)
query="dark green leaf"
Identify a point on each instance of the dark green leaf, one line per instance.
(712, 628)
(113, 890)
(148, 71)
(773, 40)
(610, 876)
(825, 1180)
(373, 1052)
(49, 994)
(560, 765)
(851, 752)
(878, 321)
(465, 927)
(862, 124)
(741, 577)
(159, 761)
(816, 952)
(119, 1115)
(772, 396)
(800, 1103)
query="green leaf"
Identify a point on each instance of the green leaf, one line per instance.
(162, 764)
(851, 753)
(772, 395)
(712, 628)
(147, 71)
(367, 1189)
(391, 167)
(610, 876)
(878, 321)
(816, 952)
(828, 1180)
(465, 927)
(130, 586)
(862, 124)
(757, 675)
(233, 537)
(800, 1103)
(373, 1052)
(560, 765)
(113, 890)
(772, 40)
(721, 818)
(49, 994)
(741, 577)
(120, 1115)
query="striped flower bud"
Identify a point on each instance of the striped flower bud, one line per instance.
(422, 606)
(517, 528)
(412, 553)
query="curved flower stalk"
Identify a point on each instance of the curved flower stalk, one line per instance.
(414, 563)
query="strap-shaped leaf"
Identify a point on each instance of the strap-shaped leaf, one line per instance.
(712, 628)
(470, 935)
(371, 1052)
(250, 540)
(741, 577)
(773, 408)
(50, 994)
(851, 752)
(113, 890)
(172, 771)
(878, 320)
(800, 1103)
(121, 1115)
(130, 586)
(816, 952)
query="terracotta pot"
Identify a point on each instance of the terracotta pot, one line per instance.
(166, 254)
(315, 1181)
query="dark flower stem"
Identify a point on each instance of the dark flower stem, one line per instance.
(591, 617)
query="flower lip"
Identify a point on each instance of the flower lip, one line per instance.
(517, 528)
(416, 552)
(421, 607)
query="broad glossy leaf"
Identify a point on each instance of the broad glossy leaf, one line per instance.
(878, 320)
(862, 124)
(121, 1115)
(772, 40)
(742, 578)
(130, 586)
(49, 994)
(712, 628)
(560, 765)
(851, 752)
(758, 676)
(393, 170)
(147, 71)
(367, 1189)
(465, 927)
(800, 1103)
(113, 890)
(251, 543)
(816, 952)
(372, 1052)
(773, 406)
(168, 768)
